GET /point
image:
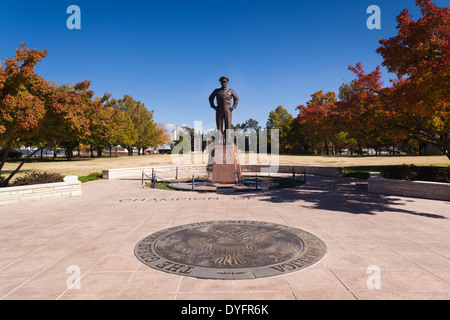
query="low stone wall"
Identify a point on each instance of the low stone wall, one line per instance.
(69, 188)
(417, 189)
(186, 170)
(299, 169)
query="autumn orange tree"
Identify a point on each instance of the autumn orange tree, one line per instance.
(105, 120)
(418, 101)
(35, 113)
(22, 102)
(74, 116)
(318, 117)
(415, 106)
(361, 112)
(67, 120)
(354, 121)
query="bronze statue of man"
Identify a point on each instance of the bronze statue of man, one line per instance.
(224, 108)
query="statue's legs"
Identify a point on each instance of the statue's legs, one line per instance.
(227, 120)
(223, 120)
(227, 116)
(219, 120)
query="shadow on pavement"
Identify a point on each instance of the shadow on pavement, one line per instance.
(342, 194)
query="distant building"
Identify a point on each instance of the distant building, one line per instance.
(165, 148)
(175, 136)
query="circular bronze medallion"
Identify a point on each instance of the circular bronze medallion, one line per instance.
(230, 250)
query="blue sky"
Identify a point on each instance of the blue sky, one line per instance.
(170, 54)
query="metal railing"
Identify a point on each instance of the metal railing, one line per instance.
(154, 178)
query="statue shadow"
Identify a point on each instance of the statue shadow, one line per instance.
(344, 195)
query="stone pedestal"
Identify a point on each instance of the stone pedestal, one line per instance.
(223, 165)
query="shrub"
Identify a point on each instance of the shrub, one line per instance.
(91, 177)
(412, 172)
(357, 174)
(38, 178)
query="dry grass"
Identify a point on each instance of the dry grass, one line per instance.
(85, 166)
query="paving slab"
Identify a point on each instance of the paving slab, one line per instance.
(378, 247)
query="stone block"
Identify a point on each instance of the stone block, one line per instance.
(51, 195)
(42, 189)
(32, 197)
(16, 193)
(7, 198)
(12, 201)
(64, 187)
(67, 193)
(75, 193)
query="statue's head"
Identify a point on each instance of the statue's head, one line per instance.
(224, 81)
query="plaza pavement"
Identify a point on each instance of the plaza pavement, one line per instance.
(403, 240)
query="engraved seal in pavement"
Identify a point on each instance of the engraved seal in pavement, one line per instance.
(230, 250)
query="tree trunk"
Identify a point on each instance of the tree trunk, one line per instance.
(4, 155)
(6, 182)
(69, 153)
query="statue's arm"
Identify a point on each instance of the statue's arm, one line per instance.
(236, 100)
(211, 99)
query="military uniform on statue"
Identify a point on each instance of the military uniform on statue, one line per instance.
(223, 164)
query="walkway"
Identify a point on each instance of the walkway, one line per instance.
(379, 247)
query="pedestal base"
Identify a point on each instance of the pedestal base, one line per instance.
(223, 165)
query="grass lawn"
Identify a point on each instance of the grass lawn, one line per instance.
(87, 166)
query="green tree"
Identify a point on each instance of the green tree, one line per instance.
(189, 133)
(160, 135)
(250, 124)
(244, 136)
(280, 119)
(125, 133)
(142, 119)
